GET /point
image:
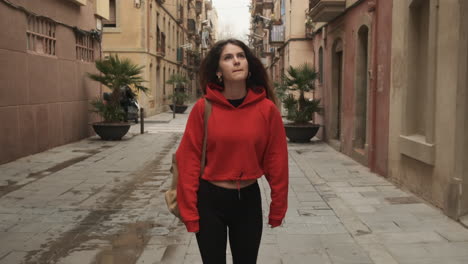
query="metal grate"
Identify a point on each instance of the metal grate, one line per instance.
(84, 47)
(41, 35)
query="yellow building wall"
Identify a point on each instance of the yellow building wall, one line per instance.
(102, 8)
(135, 37)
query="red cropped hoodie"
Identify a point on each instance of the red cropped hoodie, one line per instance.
(243, 143)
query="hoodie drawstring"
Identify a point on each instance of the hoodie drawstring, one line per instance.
(238, 185)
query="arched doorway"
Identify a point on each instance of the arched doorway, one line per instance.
(361, 89)
(337, 88)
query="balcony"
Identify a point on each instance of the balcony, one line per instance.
(277, 34)
(326, 10)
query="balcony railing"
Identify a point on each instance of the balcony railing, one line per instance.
(277, 34)
(326, 10)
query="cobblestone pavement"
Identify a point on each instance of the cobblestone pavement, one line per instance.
(102, 202)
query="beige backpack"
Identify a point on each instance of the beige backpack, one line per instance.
(171, 194)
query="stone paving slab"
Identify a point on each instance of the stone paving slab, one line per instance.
(102, 202)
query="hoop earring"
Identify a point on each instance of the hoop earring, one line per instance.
(220, 78)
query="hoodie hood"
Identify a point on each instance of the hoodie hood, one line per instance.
(214, 94)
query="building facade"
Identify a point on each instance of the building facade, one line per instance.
(428, 149)
(393, 83)
(348, 43)
(351, 42)
(278, 35)
(167, 37)
(46, 49)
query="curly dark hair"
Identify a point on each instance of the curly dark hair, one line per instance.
(258, 75)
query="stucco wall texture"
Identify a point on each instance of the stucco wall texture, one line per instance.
(44, 100)
(345, 30)
(444, 183)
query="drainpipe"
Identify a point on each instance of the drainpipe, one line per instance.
(148, 13)
(372, 7)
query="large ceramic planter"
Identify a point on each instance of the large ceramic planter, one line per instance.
(111, 131)
(301, 133)
(179, 108)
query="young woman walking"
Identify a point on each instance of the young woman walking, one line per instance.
(246, 139)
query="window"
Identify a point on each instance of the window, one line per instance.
(164, 82)
(41, 35)
(191, 26)
(158, 40)
(158, 34)
(168, 35)
(181, 13)
(84, 47)
(112, 22)
(320, 77)
(198, 7)
(162, 48)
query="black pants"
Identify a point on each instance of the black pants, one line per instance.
(221, 210)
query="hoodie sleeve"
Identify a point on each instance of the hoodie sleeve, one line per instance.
(275, 164)
(188, 157)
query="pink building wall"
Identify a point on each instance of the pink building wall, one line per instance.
(376, 15)
(44, 100)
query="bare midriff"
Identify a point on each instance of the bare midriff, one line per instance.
(234, 184)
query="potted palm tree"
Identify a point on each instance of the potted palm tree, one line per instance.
(179, 95)
(117, 75)
(300, 110)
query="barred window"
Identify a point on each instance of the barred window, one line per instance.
(84, 47)
(41, 35)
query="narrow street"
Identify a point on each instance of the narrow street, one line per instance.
(103, 202)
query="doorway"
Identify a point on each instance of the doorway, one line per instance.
(337, 88)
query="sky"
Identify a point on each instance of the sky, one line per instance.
(234, 13)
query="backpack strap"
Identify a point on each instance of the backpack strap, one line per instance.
(205, 136)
